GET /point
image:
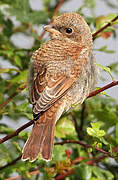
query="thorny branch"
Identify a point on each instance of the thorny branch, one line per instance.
(114, 83)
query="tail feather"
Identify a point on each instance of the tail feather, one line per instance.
(48, 142)
(40, 140)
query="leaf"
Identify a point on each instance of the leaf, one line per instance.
(64, 127)
(103, 20)
(83, 172)
(97, 172)
(114, 67)
(116, 130)
(27, 15)
(106, 69)
(18, 61)
(105, 50)
(95, 130)
(59, 152)
(6, 70)
(21, 78)
(106, 35)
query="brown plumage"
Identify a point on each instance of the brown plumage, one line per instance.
(62, 73)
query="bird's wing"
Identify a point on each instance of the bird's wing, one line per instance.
(46, 92)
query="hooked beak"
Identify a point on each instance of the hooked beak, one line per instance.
(50, 29)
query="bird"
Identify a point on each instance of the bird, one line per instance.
(62, 73)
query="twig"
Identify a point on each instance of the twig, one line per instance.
(82, 116)
(54, 14)
(96, 160)
(11, 163)
(82, 144)
(19, 177)
(77, 129)
(11, 97)
(104, 27)
(91, 162)
(114, 83)
(40, 37)
(16, 132)
(62, 176)
(94, 93)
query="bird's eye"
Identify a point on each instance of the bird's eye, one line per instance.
(68, 30)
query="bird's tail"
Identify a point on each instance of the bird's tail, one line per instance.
(41, 137)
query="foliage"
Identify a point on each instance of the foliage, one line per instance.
(97, 120)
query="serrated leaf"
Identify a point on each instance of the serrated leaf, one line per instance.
(95, 130)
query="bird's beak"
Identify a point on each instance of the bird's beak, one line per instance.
(49, 28)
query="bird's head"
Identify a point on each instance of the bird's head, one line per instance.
(72, 26)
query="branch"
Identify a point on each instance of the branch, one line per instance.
(94, 93)
(62, 176)
(82, 115)
(104, 27)
(77, 129)
(11, 163)
(16, 132)
(12, 96)
(114, 83)
(91, 162)
(40, 37)
(82, 144)
(35, 172)
(54, 14)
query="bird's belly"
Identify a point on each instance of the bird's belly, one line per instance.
(83, 86)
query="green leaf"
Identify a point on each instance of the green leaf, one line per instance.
(59, 152)
(27, 15)
(106, 69)
(116, 130)
(21, 78)
(64, 127)
(83, 172)
(103, 20)
(97, 172)
(18, 61)
(6, 70)
(95, 130)
(105, 50)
